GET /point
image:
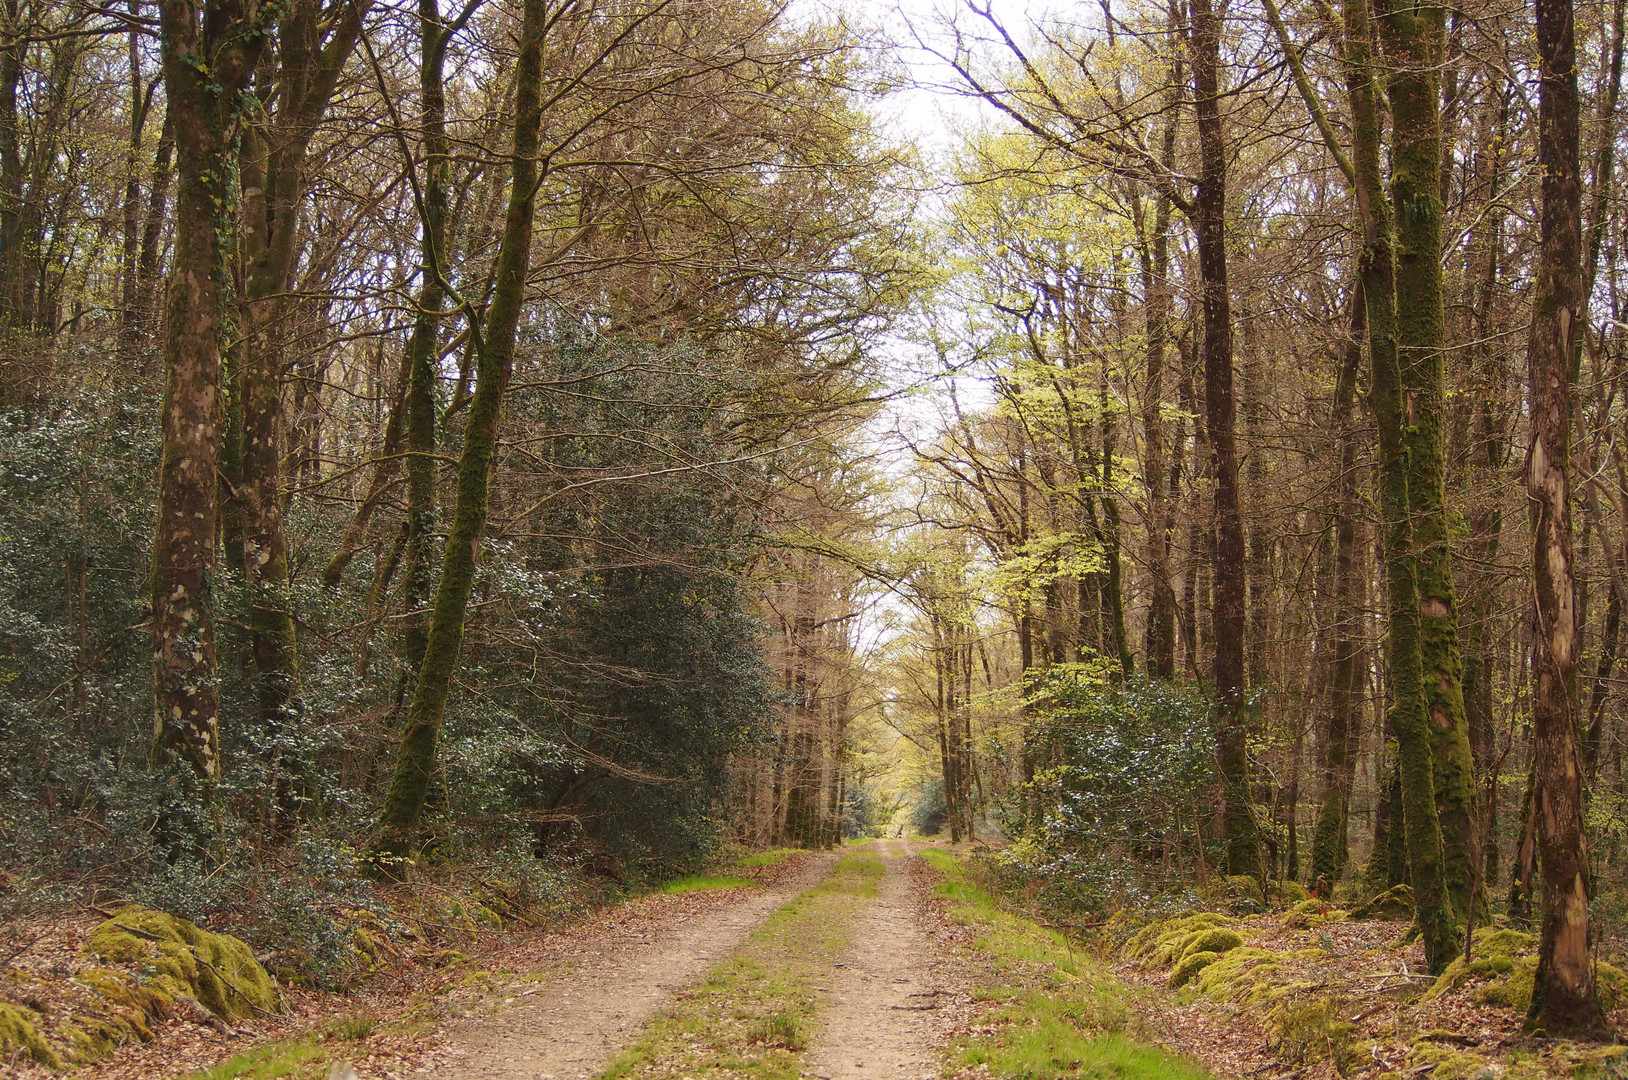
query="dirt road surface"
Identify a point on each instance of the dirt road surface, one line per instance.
(885, 1010)
(571, 1026)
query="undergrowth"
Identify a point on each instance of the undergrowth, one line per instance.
(752, 1015)
(1050, 1010)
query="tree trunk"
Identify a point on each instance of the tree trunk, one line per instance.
(424, 349)
(311, 54)
(210, 50)
(1563, 994)
(1414, 38)
(415, 761)
(1330, 844)
(1416, 802)
(1210, 225)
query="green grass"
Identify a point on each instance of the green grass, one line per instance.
(306, 1057)
(751, 1016)
(704, 883)
(768, 858)
(1055, 1011)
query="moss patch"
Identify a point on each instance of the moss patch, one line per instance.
(216, 969)
(704, 883)
(1450, 1064)
(1191, 964)
(1394, 903)
(19, 1035)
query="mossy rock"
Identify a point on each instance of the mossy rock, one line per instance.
(216, 969)
(1236, 972)
(1217, 940)
(19, 1035)
(1164, 932)
(1292, 892)
(1501, 941)
(1495, 954)
(1191, 965)
(1395, 903)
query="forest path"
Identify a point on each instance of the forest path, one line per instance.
(882, 1016)
(572, 1025)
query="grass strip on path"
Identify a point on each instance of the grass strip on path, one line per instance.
(752, 1014)
(1049, 1009)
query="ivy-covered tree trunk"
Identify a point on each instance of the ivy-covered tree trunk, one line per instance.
(415, 760)
(1414, 38)
(1210, 225)
(1415, 793)
(1563, 993)
(210, 51)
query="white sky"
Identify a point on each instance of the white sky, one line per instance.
(927, 111)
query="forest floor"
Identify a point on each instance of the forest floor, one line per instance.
(882, 960)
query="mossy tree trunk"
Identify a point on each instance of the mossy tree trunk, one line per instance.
(415, 760)
(210, 51)
(1415, 804)
(1330, 845)
(1159, 641)
(1209, 210)
(424, 349)
(1414, 38)
(1563, 993)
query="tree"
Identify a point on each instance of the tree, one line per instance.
(1209, 214)
(415, 761)
(1564, 1000)
(211, 49)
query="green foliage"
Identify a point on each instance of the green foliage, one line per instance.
(1128, 768)
(607, 677)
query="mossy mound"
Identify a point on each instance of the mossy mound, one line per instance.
(1507, 960)
(1191, 965)
(1217, 940)
(1514, 989)
(1394, 903)
(1161, 935)
(19, 1035)
(1494, 955)
(216, 969)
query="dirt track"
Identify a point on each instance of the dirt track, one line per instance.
(570, 1026)
(884, 1017)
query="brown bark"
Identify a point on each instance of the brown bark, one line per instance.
(1210, 225)
(1564, 1001)
(210, 50)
